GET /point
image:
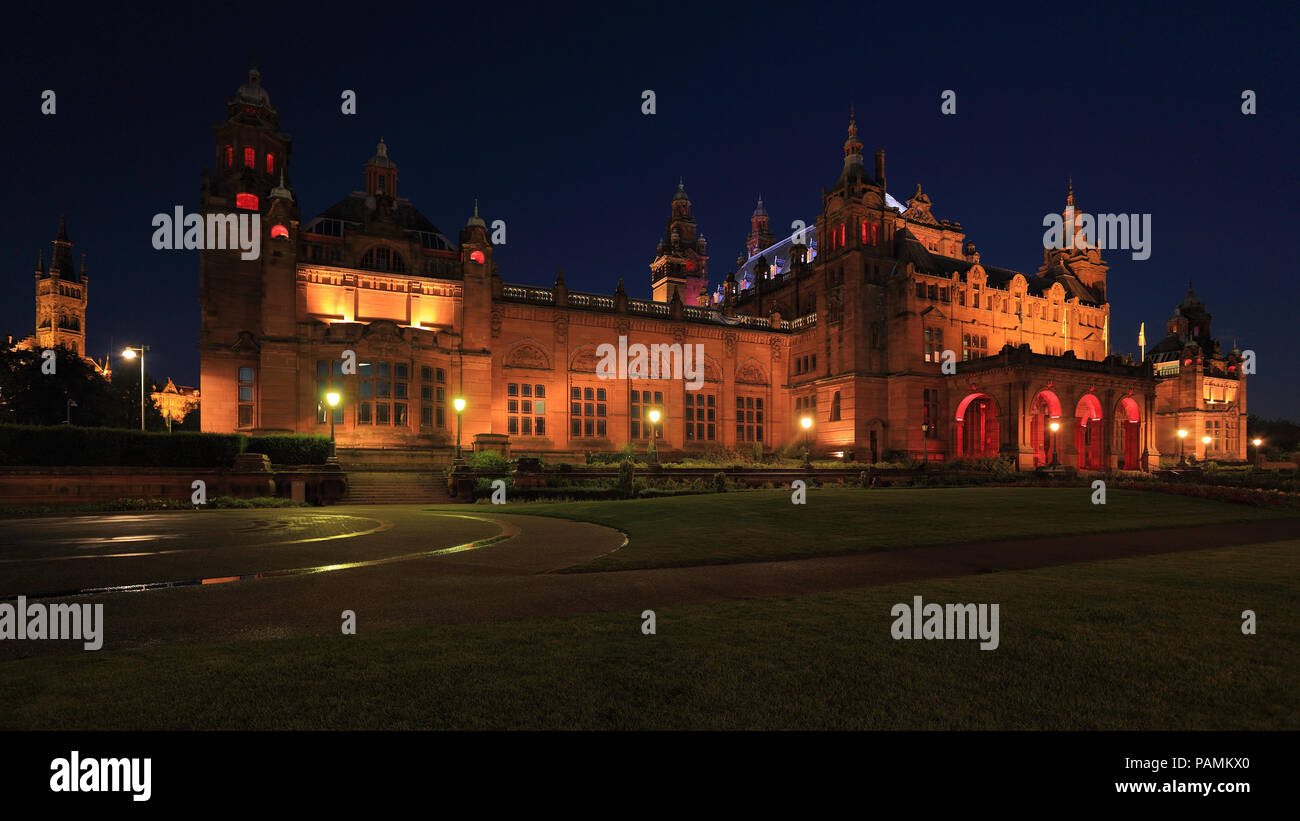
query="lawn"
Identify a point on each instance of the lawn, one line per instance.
(724, 528)
(1147, 643)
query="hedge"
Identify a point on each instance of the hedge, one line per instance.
(65, 445)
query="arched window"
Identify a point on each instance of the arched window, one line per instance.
(246, 201)
(270, 163)
(382, 259)
(250, 157)
(230, 156)
(279, 231)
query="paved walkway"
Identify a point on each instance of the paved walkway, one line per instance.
(408, 566)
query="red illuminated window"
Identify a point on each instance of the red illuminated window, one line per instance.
(270, 163)
(246, 201)
(230, 156)
(250, 157)
(279, 231)
(476, 256)
(842, 234)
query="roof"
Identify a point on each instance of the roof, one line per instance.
(357, 207)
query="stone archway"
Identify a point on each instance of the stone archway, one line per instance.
(978, 434)
(1128, 434)
(1088, 435)
(1043, 412)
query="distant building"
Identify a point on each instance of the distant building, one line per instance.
(848, 324)
(175, 402)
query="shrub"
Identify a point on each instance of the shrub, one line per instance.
(624, 484)
(291, 449)
(58, 445)
(489, 460)
(720, 482)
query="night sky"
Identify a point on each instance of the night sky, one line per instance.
(537, 112)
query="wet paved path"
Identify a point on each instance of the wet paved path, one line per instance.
(405, 566)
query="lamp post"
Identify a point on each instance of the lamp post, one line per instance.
(652, 450)
(72, 403)
(1056, 451)
(1257, 442)
(130, 353)
(332, 399)
(1182, 437)
(1205, 440)
(925, 445)
(459, 404)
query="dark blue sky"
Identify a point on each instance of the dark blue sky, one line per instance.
(537, 112)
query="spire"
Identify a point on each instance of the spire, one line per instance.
(1069, 198)
(476, 219)
(760, 211)
(852, 146)
(40, 262)
(681, 190)
(281, 192)
(83, 265)
(63, 229)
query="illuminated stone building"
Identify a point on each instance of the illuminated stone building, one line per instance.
(847, 323)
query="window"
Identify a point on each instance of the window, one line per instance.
(525, 409)
(749, 419)
(805, 405)
(382, 259)
(930, 413)
(248, 202)
(641, 403)
(328, 379)
(835, 407)
(378, 385)
(247, 391)
(270, 163)
(700, 416)
(973, 346)
(920, 290)
(250, 157)
(933, 344)
(230, 156)
(587, 412)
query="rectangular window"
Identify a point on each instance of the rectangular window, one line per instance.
(749, 419)
(930, 413)
(383, 382)
(270, 163)
(247, 390)
(933, 344)
(700, 421)
(587, 412)
(526, 417)
(250, 157)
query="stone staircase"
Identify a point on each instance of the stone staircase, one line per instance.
(396, 488)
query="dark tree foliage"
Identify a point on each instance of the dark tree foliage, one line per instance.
(29, 396)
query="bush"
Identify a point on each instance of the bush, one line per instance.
(720, 482)
(60, 445)
(624, 484)
(291, 449)
(489, 460)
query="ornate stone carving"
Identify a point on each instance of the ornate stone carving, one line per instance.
(775, 344)
(561, 329)
(496, 322)
(527, 355)
(750, 373)
(729, 343)
(585, 360)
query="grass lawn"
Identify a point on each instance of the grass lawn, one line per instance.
(1148, 643)
(722, 528)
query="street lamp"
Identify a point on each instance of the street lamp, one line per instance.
(806, 422)
(1056, 451)
(1257, 442)
(1205, 440)
(130, 353)
(72, 403)
(1182, 436)
(459, 404)
(332, 399)
(652, 450)
(925, 445)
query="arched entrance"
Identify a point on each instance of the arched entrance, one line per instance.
(1088, 432)
(977, 427)
(1043, 411)
(1128, 434)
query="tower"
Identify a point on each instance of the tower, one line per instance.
(246, 331)
(760, 232)
(61, 294)
(1078, 257)
(681, 261)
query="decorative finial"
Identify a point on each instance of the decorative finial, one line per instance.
(1069, 197)
(382, 150)
(476, 206)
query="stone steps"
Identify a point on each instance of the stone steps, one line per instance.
(396, 488)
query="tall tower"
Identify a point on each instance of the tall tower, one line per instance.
(1078, 257)
(61, 295)
(760, 232)
(681, 262)
(247, 329)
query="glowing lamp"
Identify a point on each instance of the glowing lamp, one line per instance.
(1257, 442)
(1182, 433)
(459, 404)
(654, 417)
(332, 398)
(128, 354)
(806, 422)
(1055, 426)
(1205, 440)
